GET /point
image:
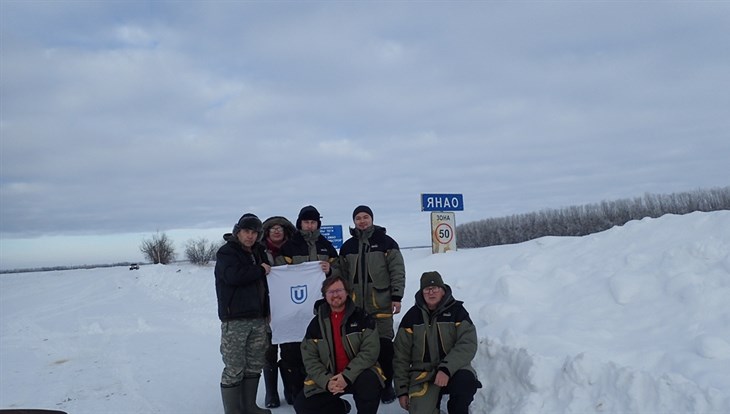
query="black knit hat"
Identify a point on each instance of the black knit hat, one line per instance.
(432, 279)
(250, 222)
(362, 209)
(308, 213)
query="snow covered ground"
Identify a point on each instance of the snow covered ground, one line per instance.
(631, 320)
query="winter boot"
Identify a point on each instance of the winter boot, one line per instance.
(387, 395)
(286, 382)
(293, 379)
(271, 380)
(248, 397)
(232, 399)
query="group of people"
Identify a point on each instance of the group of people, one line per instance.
(350, 346)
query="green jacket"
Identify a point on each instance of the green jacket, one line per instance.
(359, 339)
(428, 342)
(372, 263)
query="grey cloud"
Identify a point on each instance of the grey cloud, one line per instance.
(120, 117)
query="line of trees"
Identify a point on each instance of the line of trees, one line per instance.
(57, 268)
(587, 219)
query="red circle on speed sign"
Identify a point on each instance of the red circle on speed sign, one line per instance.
(444, 233)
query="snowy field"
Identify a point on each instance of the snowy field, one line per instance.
(631, 320)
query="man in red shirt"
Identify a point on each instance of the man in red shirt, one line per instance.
(340, 352)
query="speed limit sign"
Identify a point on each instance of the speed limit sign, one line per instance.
(443, 232)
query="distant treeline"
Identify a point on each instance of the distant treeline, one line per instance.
(54, 268)
(587, 219)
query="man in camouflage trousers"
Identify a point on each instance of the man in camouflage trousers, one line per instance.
(243, 306)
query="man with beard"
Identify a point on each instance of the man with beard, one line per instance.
(305, 245)
(340, 351)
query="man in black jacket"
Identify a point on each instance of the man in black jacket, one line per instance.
(243, 306)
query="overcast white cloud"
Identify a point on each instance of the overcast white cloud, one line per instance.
(132, 117)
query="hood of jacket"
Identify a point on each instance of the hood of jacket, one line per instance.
(288, 227)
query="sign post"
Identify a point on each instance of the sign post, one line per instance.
(443, 232)
(443, 220)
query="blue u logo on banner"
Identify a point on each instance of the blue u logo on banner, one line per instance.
(298, 294)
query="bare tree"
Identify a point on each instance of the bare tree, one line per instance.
(159, 249)
(200, 251)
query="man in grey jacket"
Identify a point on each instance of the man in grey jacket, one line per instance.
(372, 263)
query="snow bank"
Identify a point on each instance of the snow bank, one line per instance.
(634, 319)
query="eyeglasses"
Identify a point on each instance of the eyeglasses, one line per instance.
(334, 292)
(276, 229)
(431, 289)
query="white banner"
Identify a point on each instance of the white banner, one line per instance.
(293, 289)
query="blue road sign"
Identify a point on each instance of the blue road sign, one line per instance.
(442, 202)
(333, 234)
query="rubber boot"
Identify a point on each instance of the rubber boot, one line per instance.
(271, 381)
(232, 399)
(248, 400)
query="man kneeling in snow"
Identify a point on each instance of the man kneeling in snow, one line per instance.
(340, 352)
(434, 347)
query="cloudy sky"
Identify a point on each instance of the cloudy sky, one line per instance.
(120, 119)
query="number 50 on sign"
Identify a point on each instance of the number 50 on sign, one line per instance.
(443, 232)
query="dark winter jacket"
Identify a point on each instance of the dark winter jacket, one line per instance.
(372, 263)
(240, 281)
(359, 339)
(428, 342)
(306, 246)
